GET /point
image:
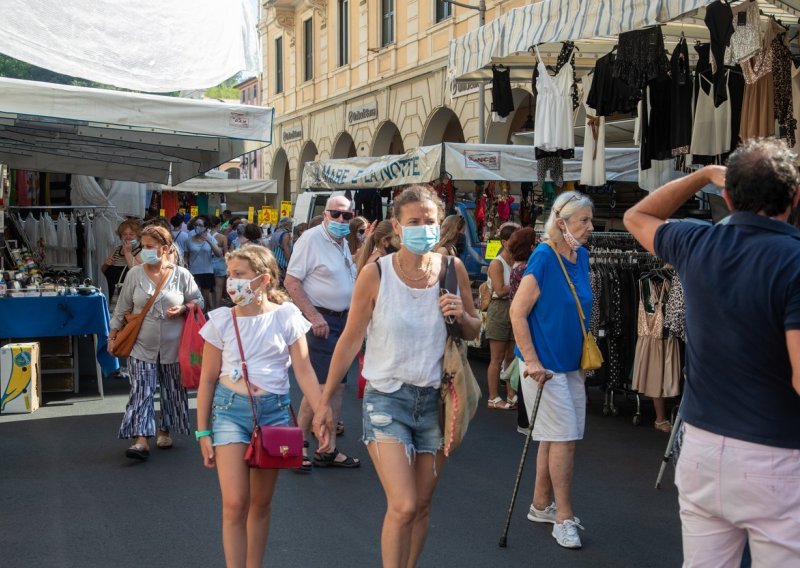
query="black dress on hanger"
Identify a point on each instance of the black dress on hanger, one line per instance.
(502, 98)
(680, 128)
(719, 20)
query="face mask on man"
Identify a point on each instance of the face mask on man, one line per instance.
(150, 256)
(420, 239)
(338, 230)
(239, 290)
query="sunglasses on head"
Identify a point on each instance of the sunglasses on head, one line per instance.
(346, 215)
(560, 209)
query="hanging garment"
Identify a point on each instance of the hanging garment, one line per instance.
(782, 84)
(554, 165)
(675, 312)
(89, 251)
(711, 131)
(640, 57)
(745, 41)
(680, 127)
(554, 122)
(656, 363)
(736, 87)
(502, 99)
(72, 251)
(31, 229)
(593, 166)
(504, 209)
(64, 239)
(169, 203)
(608, 94)
(567, 55)
(656, 123)
(758, 109)
(719, 20)
(760, 64)
(796, 103)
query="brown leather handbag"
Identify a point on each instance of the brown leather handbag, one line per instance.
(126, 337)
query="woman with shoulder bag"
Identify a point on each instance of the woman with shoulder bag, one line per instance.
(165, 290)
(398, 301)
(550, 339)
(262, 335)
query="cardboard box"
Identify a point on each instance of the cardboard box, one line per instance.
(20, 379)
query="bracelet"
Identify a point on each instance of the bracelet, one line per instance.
(201, 434)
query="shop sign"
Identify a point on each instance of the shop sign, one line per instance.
(292, 133)
(482, 159)
(363, 112)
(239, 120)
(461, 89)
(286, 208)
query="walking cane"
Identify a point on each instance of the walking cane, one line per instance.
(504, 537)
(668, 453)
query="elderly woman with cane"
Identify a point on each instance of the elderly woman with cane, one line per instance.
(549, 337)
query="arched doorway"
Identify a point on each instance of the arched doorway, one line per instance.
(443, 126)
(344, 147)
(280, 172)
(309, 154)
(387, 140)
(500, 132)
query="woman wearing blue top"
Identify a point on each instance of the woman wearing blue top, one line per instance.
(201, 248)
(549, 338)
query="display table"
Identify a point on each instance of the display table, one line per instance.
(61, 316)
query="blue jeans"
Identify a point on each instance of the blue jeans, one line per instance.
(409, 415)
(232, 415)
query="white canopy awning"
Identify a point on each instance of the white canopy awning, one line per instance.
(146, 45)
(211, 185)
(120, 135)
(420, 165)
(507, 39)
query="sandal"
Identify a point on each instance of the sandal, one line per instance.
(663, 426)
(339, 428)
(498, 403)
(328, 459)
(512, 402)
(137, 452)
(306, 466)
(163, 441)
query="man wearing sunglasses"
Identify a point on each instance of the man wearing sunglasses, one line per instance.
(320, 279)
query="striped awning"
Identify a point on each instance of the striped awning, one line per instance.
(550, 21)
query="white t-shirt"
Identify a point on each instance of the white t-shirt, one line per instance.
(325, 268)
(265, 340)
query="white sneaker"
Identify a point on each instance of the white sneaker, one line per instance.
(566, 533)
(548, 515)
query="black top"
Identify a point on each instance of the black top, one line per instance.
(719, 20)
(680, 129)
(502, 99)
(608, 93)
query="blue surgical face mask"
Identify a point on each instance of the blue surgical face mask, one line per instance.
(149, 256)
(199, 230)
(420, 239)
(134, 243)
(338, 230)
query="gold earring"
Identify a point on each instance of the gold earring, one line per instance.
(260, 296)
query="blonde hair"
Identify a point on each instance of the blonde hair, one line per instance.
(382, 230)
(262, 261)
(417, 193)
(352, 236)
(132, 224)
(451, 228)
(565, 206)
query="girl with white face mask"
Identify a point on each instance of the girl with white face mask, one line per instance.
(273, 337)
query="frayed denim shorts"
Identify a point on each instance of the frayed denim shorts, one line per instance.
(409, 415)
(232, 415)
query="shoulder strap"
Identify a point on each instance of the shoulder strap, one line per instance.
(378, 266)
(152, 299)
(571, 287)
(448, 283)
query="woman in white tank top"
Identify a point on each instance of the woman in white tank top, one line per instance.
(398, 304)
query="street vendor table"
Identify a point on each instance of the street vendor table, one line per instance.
(61, 316)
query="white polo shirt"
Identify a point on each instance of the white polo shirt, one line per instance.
(325, 268)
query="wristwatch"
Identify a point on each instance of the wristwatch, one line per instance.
(201, 434)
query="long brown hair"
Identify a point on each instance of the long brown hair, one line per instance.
(451, 228)
(262, 261)
(356, 223)
(382, 230)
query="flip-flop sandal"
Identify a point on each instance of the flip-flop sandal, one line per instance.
(307, 464)
(164, 442)
(137, 452)
(328, 459)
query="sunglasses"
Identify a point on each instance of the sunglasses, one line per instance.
(346, 215)
(560, 209)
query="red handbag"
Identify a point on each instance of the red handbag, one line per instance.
(271, 447)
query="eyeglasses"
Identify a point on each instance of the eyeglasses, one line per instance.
(346, 215)
(560, 209)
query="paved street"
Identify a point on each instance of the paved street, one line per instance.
(70, 498)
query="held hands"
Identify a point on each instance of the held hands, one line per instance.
(535, 371)
(207, 451)
(322, 426)
(452, 306)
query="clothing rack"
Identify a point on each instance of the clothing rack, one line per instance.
(57, 207)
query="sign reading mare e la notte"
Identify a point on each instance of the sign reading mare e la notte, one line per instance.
(420, 165)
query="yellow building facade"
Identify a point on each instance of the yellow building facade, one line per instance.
(367, 78)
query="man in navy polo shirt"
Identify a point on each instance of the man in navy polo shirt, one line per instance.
(739, 471)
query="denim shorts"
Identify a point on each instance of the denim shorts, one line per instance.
(409, 415)
(232, 415)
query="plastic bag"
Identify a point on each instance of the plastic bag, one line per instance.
(191, 347)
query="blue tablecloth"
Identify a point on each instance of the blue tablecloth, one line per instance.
(57, 316)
